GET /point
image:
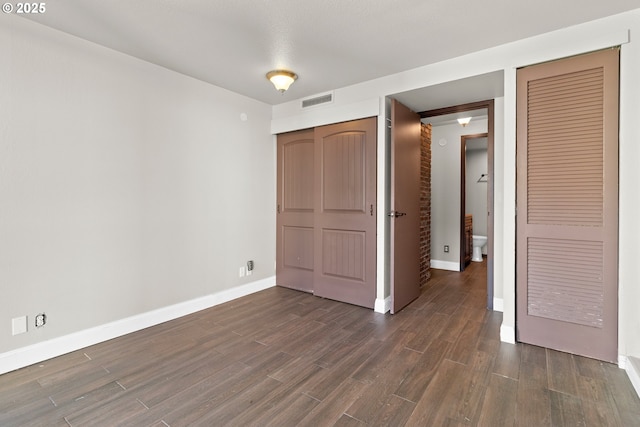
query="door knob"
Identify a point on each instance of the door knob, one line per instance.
(396, 214)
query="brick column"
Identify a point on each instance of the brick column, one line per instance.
(425, 204)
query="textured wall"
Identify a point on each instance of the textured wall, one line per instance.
(425, 203)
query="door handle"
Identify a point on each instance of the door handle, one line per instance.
(396, 214)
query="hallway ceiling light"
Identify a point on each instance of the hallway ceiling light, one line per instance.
(464, 121)
(282, 79)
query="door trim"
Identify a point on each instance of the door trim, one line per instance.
(489, 105)
(463, 188)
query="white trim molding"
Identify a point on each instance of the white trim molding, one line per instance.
(507, 334)
(36, 353)
(498, 304)
(445, 265)
(382, 305)
(632, 368)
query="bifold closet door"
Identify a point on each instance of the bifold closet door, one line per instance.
(345, 212)
(295, 204)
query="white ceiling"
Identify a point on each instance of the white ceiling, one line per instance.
(329, 43)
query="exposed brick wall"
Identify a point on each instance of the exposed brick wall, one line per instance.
(425, 204)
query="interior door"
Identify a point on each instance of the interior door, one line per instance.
(295, 217)
(405, 204)
(567, 192)
(345, 221)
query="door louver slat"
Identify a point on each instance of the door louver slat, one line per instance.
(570, 104)
(563, 285)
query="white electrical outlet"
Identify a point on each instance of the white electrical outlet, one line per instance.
(19, 325)
(242, 272)
(41, 320)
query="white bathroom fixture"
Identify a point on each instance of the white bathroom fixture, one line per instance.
(478, 244)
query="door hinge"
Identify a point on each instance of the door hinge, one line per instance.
(278, 208)
(371, 210)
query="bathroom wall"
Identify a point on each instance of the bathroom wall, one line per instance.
(445, 191)
(476, 192)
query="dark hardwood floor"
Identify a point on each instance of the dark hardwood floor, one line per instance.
(284, 358)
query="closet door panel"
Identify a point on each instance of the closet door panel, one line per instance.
(345, 223)
(295, 218)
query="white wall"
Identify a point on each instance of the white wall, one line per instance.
(623, 29)
(445, 190)
(476, 192)
(124, 187)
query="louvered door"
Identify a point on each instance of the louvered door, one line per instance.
(567, 183)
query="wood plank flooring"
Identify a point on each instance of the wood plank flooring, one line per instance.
(285, 358)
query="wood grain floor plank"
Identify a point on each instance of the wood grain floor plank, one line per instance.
(566, 410)
(465, 345)
(500, 402)
(533, 406)
(281, 399)
(373, 368)
(624, 399)
(508, 360)
(427, 330)
(414, 386)
(335, 404)
(561, 372)
(39, 370)
(347, 421)
(441, 396)
(164, 386)
(395, 412)
(290, 412)
(474, 386)
(239, 403)
(110, 412)
(327, 381)
(323, 363)
(193, 400)
(339, 350)
(533, 367)
(389, 377)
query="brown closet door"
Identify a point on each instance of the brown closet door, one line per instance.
(345, 222)
(294, 240)
(567, 194)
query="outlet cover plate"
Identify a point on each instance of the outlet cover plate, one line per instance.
(19, 325)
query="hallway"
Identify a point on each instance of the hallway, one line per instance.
(285, 358)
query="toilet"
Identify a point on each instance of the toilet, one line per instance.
(478, 244)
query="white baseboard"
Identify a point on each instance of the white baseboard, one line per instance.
(507, 334)
(39, 352)
(498, 305)
(632, 368)
(382, 305)
(445, 265)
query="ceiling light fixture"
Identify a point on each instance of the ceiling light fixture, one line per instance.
(282, 79)
(464, 121)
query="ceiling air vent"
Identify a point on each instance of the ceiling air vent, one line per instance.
(317, 100)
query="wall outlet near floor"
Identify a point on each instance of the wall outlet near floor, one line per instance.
(446, 248)
(18, 325)
(249, 268)
(242, 271)
(41, 320)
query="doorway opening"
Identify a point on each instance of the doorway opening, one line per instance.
(485, 108)
(474, 180)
